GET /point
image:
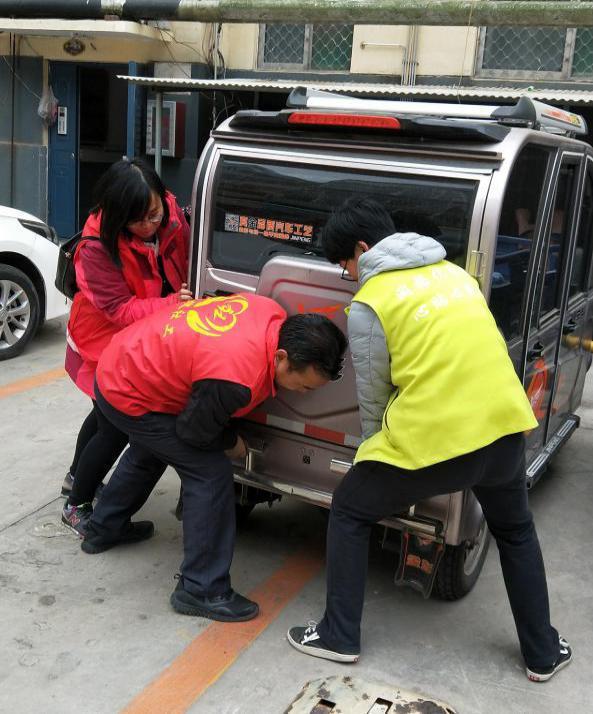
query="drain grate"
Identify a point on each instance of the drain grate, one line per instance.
(349, 695)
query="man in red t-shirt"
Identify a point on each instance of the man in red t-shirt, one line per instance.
(172, 382)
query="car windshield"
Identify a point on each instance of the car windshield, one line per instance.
(266, 209)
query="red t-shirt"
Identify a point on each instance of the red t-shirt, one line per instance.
(150, 366)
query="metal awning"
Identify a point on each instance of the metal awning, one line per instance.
(574, 97)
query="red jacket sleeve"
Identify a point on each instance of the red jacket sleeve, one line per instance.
(103, 285)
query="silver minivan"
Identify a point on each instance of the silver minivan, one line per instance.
(508, 192)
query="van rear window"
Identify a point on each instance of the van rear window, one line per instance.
(266, 209)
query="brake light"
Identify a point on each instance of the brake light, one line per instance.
(369, 121)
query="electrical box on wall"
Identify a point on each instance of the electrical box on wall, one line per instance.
(172, 128)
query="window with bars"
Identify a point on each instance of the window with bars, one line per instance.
(535, 52)
(294, 46)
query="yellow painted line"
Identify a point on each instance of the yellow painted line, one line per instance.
(213, 651)
(24, 385)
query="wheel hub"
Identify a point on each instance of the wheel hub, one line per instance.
(15, 313)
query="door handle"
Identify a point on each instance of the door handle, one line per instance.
(535, 352)
(569, 326)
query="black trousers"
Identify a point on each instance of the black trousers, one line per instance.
(371, 491)
(208, 496)
(86, 432)
(98, 446)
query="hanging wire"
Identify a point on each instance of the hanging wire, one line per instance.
(469, 20)
(175, 61)
(171, 35)
(19, 78)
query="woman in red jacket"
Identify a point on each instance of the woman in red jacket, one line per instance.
(135, 262)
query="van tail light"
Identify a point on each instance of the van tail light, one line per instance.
(369, 121)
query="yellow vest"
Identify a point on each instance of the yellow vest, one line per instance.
(456, 387)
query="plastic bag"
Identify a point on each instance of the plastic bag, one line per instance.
(48, 106)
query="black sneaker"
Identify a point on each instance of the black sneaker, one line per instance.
(134, 533)
(76, 517)
(230, 607)
(67, 485)
(542, 674)
(307, 640)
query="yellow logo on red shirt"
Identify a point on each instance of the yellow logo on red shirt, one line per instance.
(213, 322)
(220, 318)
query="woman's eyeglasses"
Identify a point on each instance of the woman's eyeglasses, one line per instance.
(156, 218)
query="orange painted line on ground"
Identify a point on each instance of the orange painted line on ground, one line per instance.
(215, 649)
(23, 385)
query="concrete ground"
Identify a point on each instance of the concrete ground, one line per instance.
(91, 633)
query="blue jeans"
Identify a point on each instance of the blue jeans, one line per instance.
(371, 491)
(208, 496)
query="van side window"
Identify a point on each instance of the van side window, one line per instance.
(584, 245)
(263, 209)
(514, 245)
(558, 240)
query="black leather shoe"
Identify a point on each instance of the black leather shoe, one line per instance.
(230, 607)
(135, 532)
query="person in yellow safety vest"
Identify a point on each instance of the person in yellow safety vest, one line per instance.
(442, 410)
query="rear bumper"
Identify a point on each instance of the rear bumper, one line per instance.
(295, 465)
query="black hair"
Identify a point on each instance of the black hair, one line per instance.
(313, 340)
(123, 195)
(359, 218)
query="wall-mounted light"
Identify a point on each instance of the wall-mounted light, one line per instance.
(74, 46)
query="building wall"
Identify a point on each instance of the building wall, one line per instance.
(23, 140)
(440, 52)
(444, 56)
(24, 164)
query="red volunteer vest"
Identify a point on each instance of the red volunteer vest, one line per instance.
(150, 366)
(90, 328)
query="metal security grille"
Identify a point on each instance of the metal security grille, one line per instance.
(537, 49)
(535, 53)
(582, 63)
(306, 47)
(332, 47)
(284, 44)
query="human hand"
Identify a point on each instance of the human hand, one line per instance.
(184, 293)
(239, 450)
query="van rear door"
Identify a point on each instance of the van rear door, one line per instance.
(263, 234)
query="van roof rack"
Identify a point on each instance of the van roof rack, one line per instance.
(527, 112)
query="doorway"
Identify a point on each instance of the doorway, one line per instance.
(90, 134)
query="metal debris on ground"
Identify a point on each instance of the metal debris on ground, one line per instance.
(349, 695)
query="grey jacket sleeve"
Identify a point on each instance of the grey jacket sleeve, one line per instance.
(371, 360)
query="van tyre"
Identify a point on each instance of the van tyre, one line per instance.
(19, 311)
(460, 566)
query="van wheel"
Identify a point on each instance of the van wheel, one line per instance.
(461, 566)
(19, 311)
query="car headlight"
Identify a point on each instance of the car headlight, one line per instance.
(42, 229)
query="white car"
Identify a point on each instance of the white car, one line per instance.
(28, 296)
